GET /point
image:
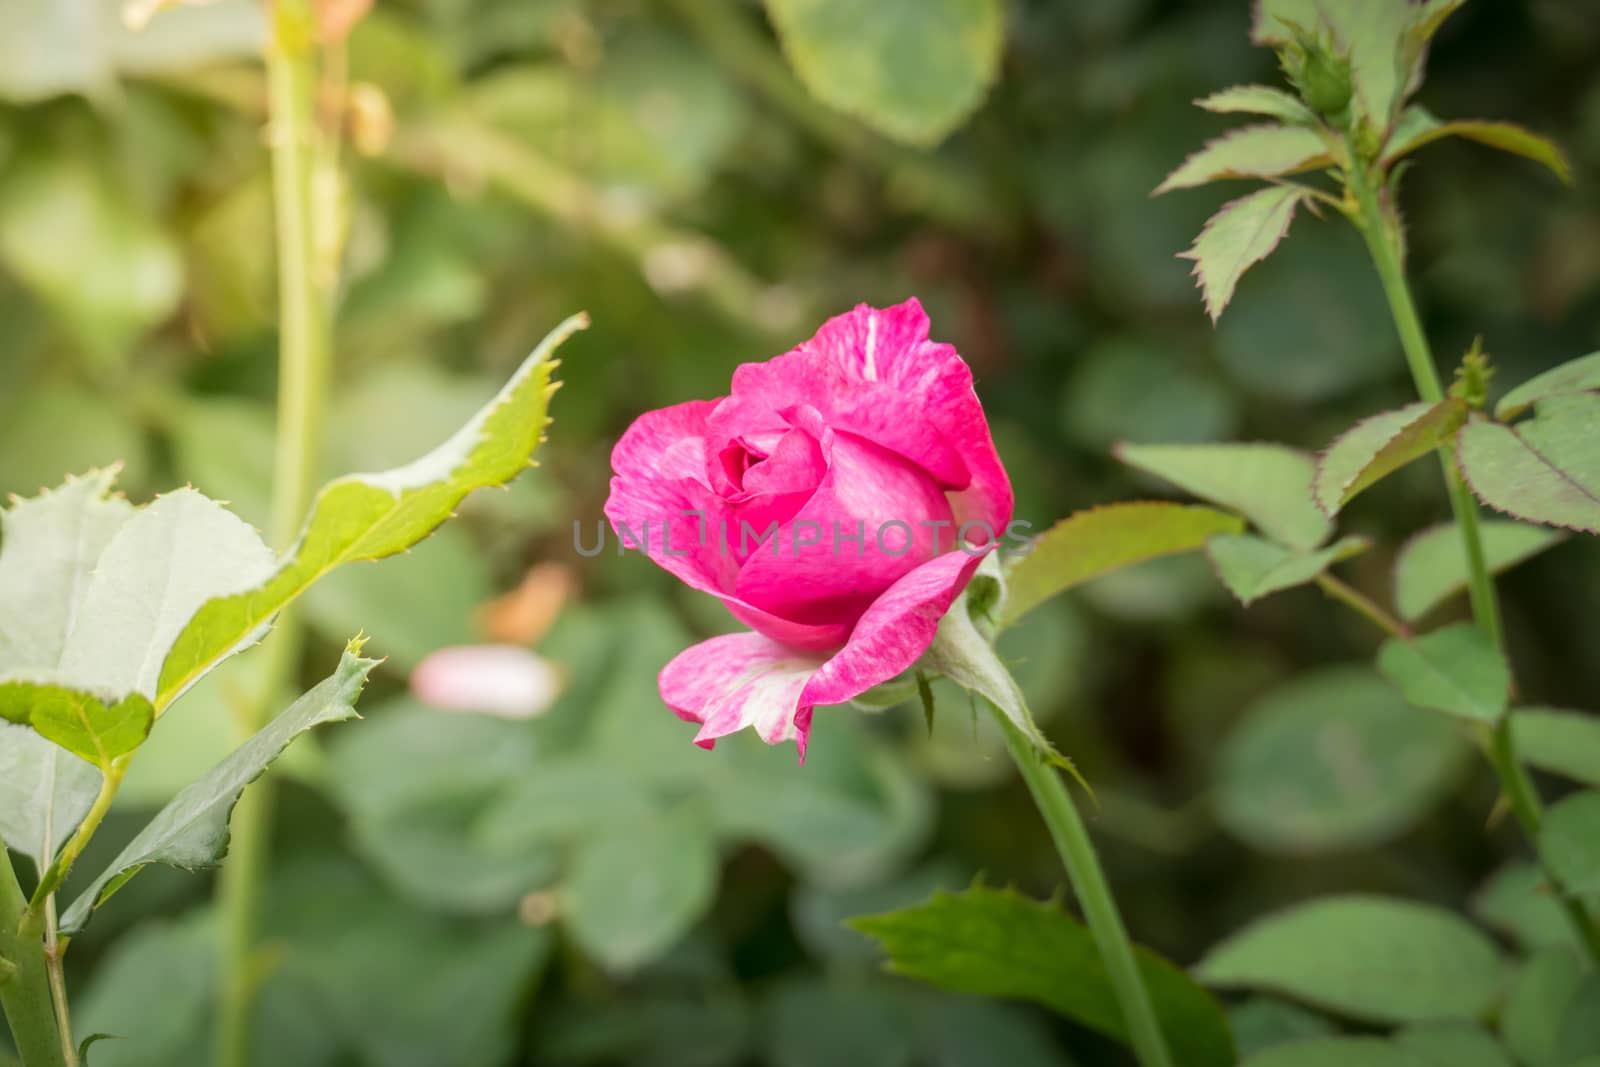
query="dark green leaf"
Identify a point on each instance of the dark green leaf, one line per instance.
(1332, 1052)
(996, 943)
(1379, 446)
(1561, 742)
(1569, 844)
(1417, 128)
(1581, 375)
(1531, 1020)
(1456, 670)
(1545, 469)
(1518, 900)
(1432, 567)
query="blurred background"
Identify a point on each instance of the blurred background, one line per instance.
(583, 886)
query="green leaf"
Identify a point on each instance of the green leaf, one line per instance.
(913, 69)
(1264, 151)
(562, 800)
(1377, 447)
(1332, 1052)
(1451, 1045)
(1561, 742)
(1416, 127)
(1432, 567)
(1236, 238)
(1333, 760)
(1252, 567)
(1268, 484)
(92, 726)
(1091, 543)
(1456, 670)
(369, 516)
(1581, 375)
(1578, 1034)
(1372, 958)
(1545, 469)
(1569, 843)
(45, 792)
(636, 888)
(1258, 100)
(50, 47)
(192, 831)
(1530, 1022)
(996, 943)
(1518, 900)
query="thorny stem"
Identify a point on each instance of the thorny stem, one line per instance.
(24, 981)
(1386, 242)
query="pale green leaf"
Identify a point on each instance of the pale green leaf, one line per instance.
(558, 801)
(192, 831)
(1432, 567)
(913, 69)
(1258, 100)
(1377, 959)
(163, 564)
(1519, 901)
(1091, 543)
(50, 47)
(1416, 127)
(96, 727)
(1378, 446)
(1531, 1019)
(1569, 843)
(1264, 151)
(51, 543)
(1236, 238)
(1253, 567)
(1333, 1052)
(45, 792)
(369, 516)
(1561, 742)
(635, 888)
(1545, 469)
(996, 943)
(1268, 484)
(1333, 760)
(1456, 670)
(1581, 375)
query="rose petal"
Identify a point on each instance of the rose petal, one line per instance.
(739, 680)
(502, 680)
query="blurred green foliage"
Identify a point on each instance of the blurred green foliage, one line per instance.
(435, 900)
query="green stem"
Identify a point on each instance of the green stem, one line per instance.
(1094, 894)
(1362, 605)
(1386, 243)
(302, 387)
(24, 977)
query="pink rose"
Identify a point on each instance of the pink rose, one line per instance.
(867, 451)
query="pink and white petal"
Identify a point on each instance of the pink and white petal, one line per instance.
(894, 631)
(505, 680)
(737, 680)
(867, 343)
(668, 443)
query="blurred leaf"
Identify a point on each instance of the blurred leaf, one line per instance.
(80, 242)
(446, 572)
(973, 1032)
(1260, 1023)
(1518, 900)
(1252, 567)
(1561, 742)
(1378, 446)
(1432, 567)
(153, 994)
(1091, 543)
(1268, 484)
(45, 792)
(913, 69)
(192, 831)
(1372, 958)
(562, 800)
(1451, 1045)
(997, 943)
(223, 446)
(1456, 670)
(1417, 127)
(1581, 375)
(668, 1028)
(1258, 100)
(49, 47)
(51, 432)
(1546, 469)
(1531, 1019)
(821, 914)
(1578, 1035)
(635, 888)
(365, 517)
(1333, 760)
(1126, 387)
(1332, 1052)
(231, 284)
(865, 1026)
(1569, 843)
(1236, 238)
(1264, 151)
